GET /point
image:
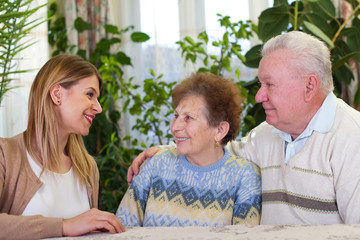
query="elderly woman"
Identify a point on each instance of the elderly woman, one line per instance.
(198, 182)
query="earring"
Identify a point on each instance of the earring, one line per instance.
(58, 101)
(217, 144)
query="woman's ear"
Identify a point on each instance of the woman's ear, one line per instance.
(55, 94)
(222, 130)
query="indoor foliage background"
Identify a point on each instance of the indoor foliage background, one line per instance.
(144, 105)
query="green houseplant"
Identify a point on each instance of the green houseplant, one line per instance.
(319, 18)
(15, 25)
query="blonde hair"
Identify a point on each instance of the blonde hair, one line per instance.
(41, 136)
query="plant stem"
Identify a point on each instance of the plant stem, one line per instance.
(296, 14)
(344, 23)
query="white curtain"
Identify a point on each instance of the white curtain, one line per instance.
(164, 58)
(181, 18)
(14, 108)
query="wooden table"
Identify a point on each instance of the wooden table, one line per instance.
(318, 232)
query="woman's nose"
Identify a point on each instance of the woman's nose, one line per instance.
(97, 107)
(177, 124)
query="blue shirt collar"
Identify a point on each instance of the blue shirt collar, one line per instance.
(321, 122)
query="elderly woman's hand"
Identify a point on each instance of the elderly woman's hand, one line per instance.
(92, 220)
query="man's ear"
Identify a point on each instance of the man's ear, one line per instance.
(222, 130)
(56, 94)
(312, 85)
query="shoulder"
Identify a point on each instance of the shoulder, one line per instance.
(13, 142)
(163, 158)
(166, 154)
(12, 147)
(263, 132)
(346, 126)
(170, 151)
(262, 129)
(242, 165)
(347, 115)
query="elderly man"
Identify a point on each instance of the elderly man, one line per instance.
(309, 147)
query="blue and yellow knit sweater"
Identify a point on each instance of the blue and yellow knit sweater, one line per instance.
(169, 191)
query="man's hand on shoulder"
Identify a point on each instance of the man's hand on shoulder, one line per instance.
(139, 160)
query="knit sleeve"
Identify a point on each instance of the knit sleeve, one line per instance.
(345, 165)
(132, 207)
(247, 206)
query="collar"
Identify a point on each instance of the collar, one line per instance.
(321, 122)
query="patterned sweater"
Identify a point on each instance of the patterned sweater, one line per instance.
(169, 191)
(320, 184)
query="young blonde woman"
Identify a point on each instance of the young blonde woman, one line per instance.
(48, 181)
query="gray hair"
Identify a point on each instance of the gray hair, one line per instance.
(310, 56)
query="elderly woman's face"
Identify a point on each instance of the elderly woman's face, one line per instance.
(190, 128)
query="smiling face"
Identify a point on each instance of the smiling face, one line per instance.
(78, 106)
(193, 136)
(282, 92)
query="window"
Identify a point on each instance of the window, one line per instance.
(161, 20)
(168, 21)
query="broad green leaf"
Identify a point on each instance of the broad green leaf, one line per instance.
(238, 54)
(201, 50)
(114, 116)
(280, 2)
(139, 37)
(111, 29)
(80, 25)
(123, 59)
(273, 22)
(344, 74)
(237, 73)
(353, 37)
(317, 32)
(253, 57)
(320, 22)
(189, 40)
(272, 15)
(324, 8)
(344, 60)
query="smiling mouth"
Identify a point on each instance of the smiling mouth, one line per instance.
(181, 139)
(89, 118)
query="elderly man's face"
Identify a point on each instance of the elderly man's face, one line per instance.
(281, 92)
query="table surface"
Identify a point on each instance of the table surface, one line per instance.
(318, 232)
